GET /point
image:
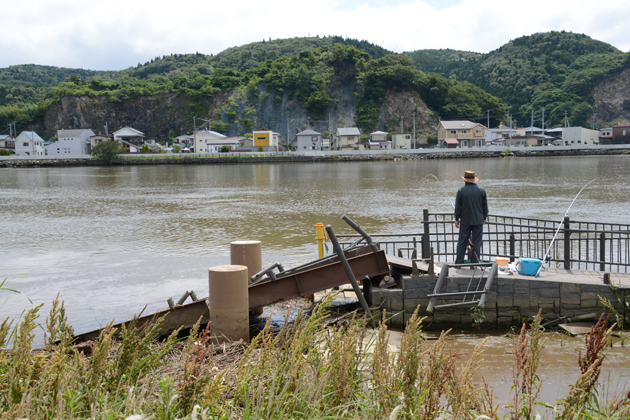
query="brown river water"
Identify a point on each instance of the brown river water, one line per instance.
(110, 240)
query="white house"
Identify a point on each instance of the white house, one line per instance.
(214, 146)
(200, 140)
(130, 136)
(572, 136)
(308, 140)
(28, 143)
(401, 141)
(71, 142)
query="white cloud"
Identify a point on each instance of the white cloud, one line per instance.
(120, 33)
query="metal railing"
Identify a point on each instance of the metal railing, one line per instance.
(578, 245)
(391, 244)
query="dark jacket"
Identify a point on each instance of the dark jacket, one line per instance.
(471, 205)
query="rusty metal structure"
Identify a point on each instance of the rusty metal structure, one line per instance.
(364, 259)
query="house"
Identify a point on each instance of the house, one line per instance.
(524, 141)
(401, 141)
(451, 143)
(380, 145)
(71, 142)
(378, 136)
(308, 140)
(7, 142)
(97, 138)
(606, 135)
(199, 140)
(214, 146)
(267, 139)
(349, 138)
(130, 137)
(621, 134)
(467, 133)
(28, 143)
(572, 136)
(378, 141)
(556, 133)
(183, 139)
(529, 131)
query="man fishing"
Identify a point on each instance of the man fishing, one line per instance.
(471, 212)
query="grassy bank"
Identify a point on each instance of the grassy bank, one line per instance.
(310, 369)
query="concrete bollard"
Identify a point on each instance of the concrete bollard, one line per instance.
(228, 303)
(247, 253)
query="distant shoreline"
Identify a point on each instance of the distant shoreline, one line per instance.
(289, 157)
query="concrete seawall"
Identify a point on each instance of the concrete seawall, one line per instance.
(559, 293)
(422, 154)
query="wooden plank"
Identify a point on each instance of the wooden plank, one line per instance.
(405, 264)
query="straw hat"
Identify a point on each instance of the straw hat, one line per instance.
(470, 177)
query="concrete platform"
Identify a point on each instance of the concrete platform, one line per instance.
(557, 292)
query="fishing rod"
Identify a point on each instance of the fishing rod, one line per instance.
(453, 204)
(560, 225)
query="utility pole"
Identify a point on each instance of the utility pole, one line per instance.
(594, 123)
(106, 129)
(510, 129)
(543, 120)
(401, 124)
(488, 111)
(414, 130)
(566, 120)
(532, 122)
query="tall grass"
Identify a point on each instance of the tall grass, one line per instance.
(303, 371)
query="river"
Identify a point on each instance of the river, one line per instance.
(110, 240)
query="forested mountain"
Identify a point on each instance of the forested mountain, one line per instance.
(310, 76)
(554, 70)
(443, 62)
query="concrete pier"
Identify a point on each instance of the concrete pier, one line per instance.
(512, 298)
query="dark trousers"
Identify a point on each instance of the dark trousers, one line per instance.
(462, 243)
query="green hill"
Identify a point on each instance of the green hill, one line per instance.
(553, 70)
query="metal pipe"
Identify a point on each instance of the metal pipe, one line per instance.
(350, 274)
(356, 227)
(493, 273)
(438, 287)
(183, 298)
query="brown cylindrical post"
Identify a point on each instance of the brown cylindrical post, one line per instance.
(228, 303)
(247, 253)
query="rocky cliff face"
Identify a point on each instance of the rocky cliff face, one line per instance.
(612, 99)
(166, 115)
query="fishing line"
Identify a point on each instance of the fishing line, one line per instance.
(559, 226)
(442, 186)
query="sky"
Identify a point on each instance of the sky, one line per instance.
(117, 34)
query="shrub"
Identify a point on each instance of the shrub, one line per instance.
(106, 150)
(225, 148)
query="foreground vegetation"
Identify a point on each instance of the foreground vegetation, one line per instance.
(310, 369)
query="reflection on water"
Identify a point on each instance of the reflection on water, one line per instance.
(111, 240)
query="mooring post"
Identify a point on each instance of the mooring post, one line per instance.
(567, 243)
(427, 234)
(602, 252)
(350, 274)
